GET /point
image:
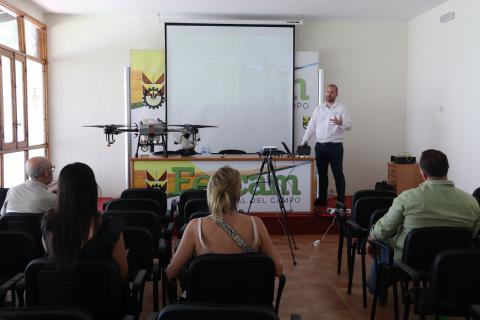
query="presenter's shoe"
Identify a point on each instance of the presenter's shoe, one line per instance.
(320, 203)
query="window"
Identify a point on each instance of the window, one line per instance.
(23, 104)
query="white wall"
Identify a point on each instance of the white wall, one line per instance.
(29, 7)
(443, 92)
(368, 61)
(87, 56)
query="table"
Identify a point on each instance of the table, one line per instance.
(296, 177)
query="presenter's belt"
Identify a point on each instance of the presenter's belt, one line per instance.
(329, 143)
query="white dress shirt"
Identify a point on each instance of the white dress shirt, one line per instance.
(29, 197)
(321, 124)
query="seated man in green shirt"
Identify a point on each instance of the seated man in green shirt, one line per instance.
(434, 203)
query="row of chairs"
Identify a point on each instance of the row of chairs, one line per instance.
(147, 233)
(426, 256)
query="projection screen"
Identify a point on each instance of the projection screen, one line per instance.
(236, 77)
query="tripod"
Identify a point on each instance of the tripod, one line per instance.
(268, 161)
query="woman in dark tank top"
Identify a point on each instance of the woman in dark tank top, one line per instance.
(75, 230)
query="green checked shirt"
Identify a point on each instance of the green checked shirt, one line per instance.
(435, 203)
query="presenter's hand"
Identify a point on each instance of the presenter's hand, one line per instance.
(336, 121)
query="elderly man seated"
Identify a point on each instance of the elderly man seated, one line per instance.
(32, 196)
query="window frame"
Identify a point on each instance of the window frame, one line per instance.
(21, 56)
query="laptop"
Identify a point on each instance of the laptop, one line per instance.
(286, 149)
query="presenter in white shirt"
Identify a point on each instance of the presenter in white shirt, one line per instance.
(329, 122)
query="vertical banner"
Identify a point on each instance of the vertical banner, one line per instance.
(147, 89)
(306, 90)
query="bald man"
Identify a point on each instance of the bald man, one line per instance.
(32, 196)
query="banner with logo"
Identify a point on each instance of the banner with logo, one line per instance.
(174, 176)
(306, 88)
(147, 89)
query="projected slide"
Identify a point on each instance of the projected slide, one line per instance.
(239, 78)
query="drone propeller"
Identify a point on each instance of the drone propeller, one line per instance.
(192, 126)
(107, 125)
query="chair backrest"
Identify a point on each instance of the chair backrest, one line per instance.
(3, 195)
(192, 206)
(138, 242)
(146, 193)
(194, 311)
(231, 278)
(16, 251)
(138, 205)
(232, 151)
(455, 280)
(199, 214)
(422, 245)
(366, 206)
(137, 218)
(371, 193)
(95, 286)
(29, 223)
(57, 313)
(184, 197)
(377, 215)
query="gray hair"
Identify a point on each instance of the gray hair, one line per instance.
(35, 171)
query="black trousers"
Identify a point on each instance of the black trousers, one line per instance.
(330, 153)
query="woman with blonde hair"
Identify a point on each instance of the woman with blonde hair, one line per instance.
(225, 230)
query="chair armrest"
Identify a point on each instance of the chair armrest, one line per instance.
(355, 226)
(153, 316)
(407, 273)
(379, 244)
(475, 311)
(169, 288)
(20, 289)
(281, 284)
(168, 216)
(137, 290)
(9, 285)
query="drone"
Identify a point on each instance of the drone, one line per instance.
(154, 133)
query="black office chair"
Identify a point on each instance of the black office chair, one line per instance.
(45, 313)
(28, 223)
(454, 285)
(147, 193)
(421, 247)
(358, 229)
(232, 151)
(164, 224)
(143, 242)
(234, 278)
(192, 206)
(178, 205)
(476, 193)
(3, 195)
(16, 251)
(194, 311)
(342, 218)
(95, 286)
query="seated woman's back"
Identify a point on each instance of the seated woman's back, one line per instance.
(225, 230)
(210, 237)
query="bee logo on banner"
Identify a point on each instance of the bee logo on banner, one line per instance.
(305, 89)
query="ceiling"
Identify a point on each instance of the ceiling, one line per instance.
(246, 9)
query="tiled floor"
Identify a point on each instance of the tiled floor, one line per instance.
(314, 290)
